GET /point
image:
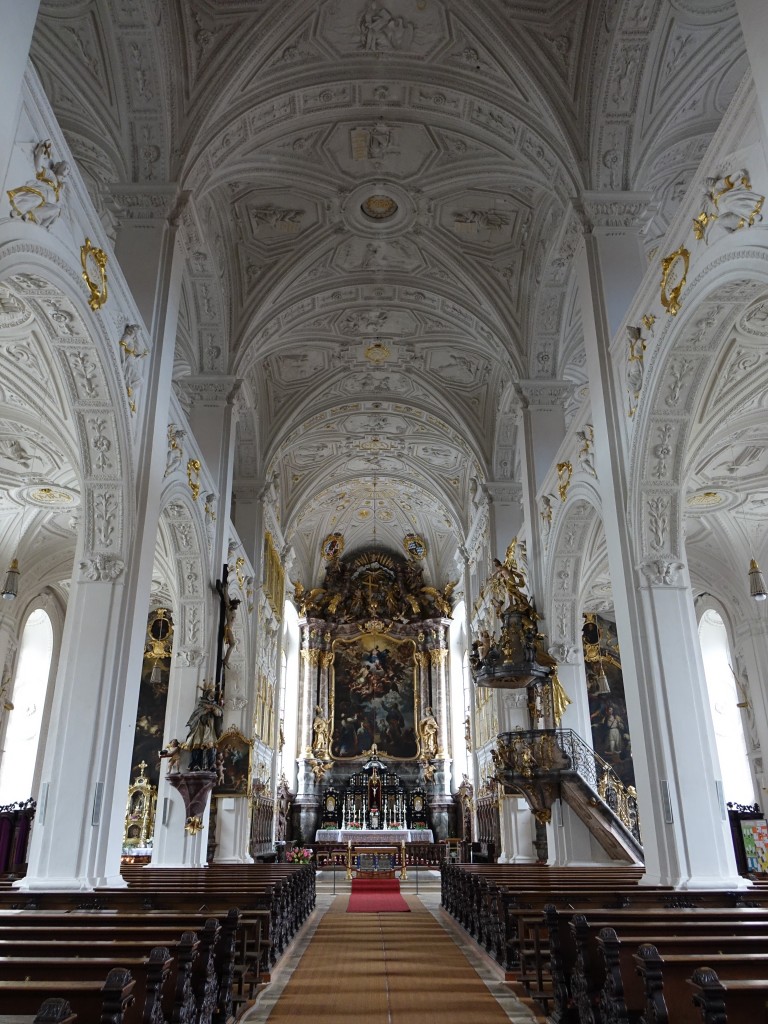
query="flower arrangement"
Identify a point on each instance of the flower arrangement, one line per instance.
(395, 824)
(354, 824)
(303, 856)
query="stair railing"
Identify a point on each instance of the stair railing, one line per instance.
(533, 752)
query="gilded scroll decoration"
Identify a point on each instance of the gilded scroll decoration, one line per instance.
(674, 273)
(97, 287)
(564, 474)
(193, 477)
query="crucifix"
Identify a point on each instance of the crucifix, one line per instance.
(226, 640)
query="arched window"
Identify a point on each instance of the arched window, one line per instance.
(726, 715)
(22, 736)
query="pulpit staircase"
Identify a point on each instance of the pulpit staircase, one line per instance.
(544, 764)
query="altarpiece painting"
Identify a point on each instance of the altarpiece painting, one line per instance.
(374, 697)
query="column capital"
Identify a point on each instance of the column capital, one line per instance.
(544, 394)
(663, 570)
(210, 390)
(505, 491)
(145, 206)
(599, 211)
(566, 653)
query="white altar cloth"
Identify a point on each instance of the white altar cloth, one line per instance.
(374, 836)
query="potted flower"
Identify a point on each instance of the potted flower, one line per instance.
(354, 824)
(395, 824)
(300, 856)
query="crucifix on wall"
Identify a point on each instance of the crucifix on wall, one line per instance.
(226, 639)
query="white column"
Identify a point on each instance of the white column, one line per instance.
(685, 839)
(754, 22)
(211, 417)
(573, 678)
(517, 826)
(18, 21)
(173, 847)
(542, 424)
(77, 839)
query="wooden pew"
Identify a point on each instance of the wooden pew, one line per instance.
(732, 1001)
(668, 995)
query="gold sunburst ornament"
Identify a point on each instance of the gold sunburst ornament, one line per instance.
(96, 287)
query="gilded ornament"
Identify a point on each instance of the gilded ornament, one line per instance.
(377, 352)
(193, 476)
(193, 825)
(564, 474)
(674, 272)
(50, 496)
(332, 546)
(648, 320)
(415, 546)
(97, 288)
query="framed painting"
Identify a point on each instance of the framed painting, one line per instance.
(374, 697)
(755, 836)
(233, 764)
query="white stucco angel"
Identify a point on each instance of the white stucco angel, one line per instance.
(730, 203)
(39, 201)
(133, 368)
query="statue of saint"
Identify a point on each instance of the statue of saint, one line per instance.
(204, 726)
(428, 733)
(321, 739)
(133, 370)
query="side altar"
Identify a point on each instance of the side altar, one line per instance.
(375, 744)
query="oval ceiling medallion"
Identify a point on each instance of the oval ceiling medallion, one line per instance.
(48, 497)
(379, 207)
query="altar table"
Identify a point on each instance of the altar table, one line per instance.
(374, 836)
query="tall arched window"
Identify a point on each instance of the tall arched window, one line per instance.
(22, 737)
(726, 715)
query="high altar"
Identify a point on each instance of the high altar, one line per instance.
(375, 742)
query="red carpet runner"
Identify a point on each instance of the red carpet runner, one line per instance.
(370, 896)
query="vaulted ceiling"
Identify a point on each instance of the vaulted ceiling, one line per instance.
(379, 233)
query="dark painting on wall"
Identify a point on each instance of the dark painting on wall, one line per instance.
(374, 697)
(150, 717)
(611, 734)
